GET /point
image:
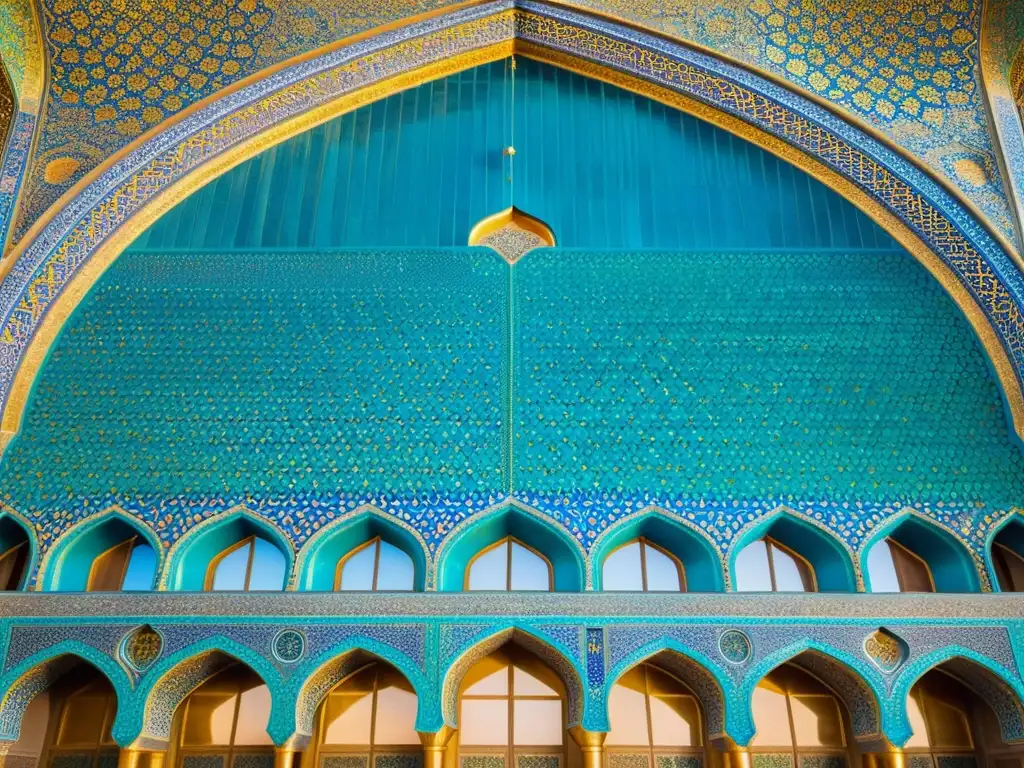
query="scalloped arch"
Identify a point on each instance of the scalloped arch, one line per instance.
(169, 682)
(547, 649)
(316, 678)
(707, 679)
(59, 568)
(834, 566)
(348, 531)
(199, 545)
(36, 673)
(860, 687)
(1002, 689)
(65, 252)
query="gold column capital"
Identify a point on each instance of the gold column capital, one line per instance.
(884, 755)
(591, 744)
(131, 757)
(733, 755)
(285, 757)
(435, 746)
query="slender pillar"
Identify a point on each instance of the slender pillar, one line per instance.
(733, 755)
(286, 757)
(435, 746)
(591, 744)
(131, 757)
(886, 757)
(4, 748)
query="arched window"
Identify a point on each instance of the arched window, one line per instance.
(797, 717)
(1008, 557)
(251, 565)
(652, 714)
(512, 704)
(894, 568)
(79, 731)
(766, 565)
(641, 566)
(375, 567)
(14, 555)
(939, 711)
(373, 711)
(224, 718)
(128, 566)
(508, 566)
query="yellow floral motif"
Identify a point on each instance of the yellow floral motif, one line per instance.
(878, 56)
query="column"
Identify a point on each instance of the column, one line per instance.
(286, 757)
(591, 744)
(435, 746)
(886, 756)
(132, 757)
(733, 755)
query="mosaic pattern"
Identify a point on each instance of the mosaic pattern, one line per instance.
(289, 646)
(886, 650)
(822, 761)
(626, 760)
(413, 760)
(16, 699)
(956, 761)
(771, 760)
(12, 170)
(860, 701)
(677, 761)
(734, 646)
(72, 760)
(172, 689)
(482, 761)
(997, 694)
(142, 647)
(112, 79)
(530, 28)
(919, 761)
(263, 760)
(538, 761)
(322, 682)
(202, 761)
(429, 449)
(20, 52)
(345, 761)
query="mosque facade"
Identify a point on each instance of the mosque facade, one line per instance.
(511, 384)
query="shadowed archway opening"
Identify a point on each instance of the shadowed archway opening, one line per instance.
(109, 554)
(910, 554)
(1007, 556)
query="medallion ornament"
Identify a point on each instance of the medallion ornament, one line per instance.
(142, 647)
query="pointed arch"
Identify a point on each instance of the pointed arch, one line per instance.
(190, 557)
(537, 531)
(557, 657)
(316, 678)
(131, 190)
(708, 681)
(17, 519)
(830, 558)
(687, 542)
(952, 565)
(1011, 530)
(65, 566)
(1000, 688)
(318, 559)
(170, 681)
(853, 681)
(41, 670)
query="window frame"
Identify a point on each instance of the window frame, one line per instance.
(644, 542)
(1003, 571)
(228, 751)
(320, 750)
(978, 749)
(651, 750)
(95, 574)
(508, 540)
(510, 750)
(51, 746)
(377, 542)
(796, 751)
(17, 559)
(913, 555)
(802, 563)
(250, 541)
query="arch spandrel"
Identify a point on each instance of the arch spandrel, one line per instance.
(1001, 688)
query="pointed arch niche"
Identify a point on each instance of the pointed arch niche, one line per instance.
(911, 554)
(261, 556)
(545, 539)
(110, 552)
(322, 559)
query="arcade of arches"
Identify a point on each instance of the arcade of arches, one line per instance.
(512, 713)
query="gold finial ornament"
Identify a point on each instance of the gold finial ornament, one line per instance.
(512, 233)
